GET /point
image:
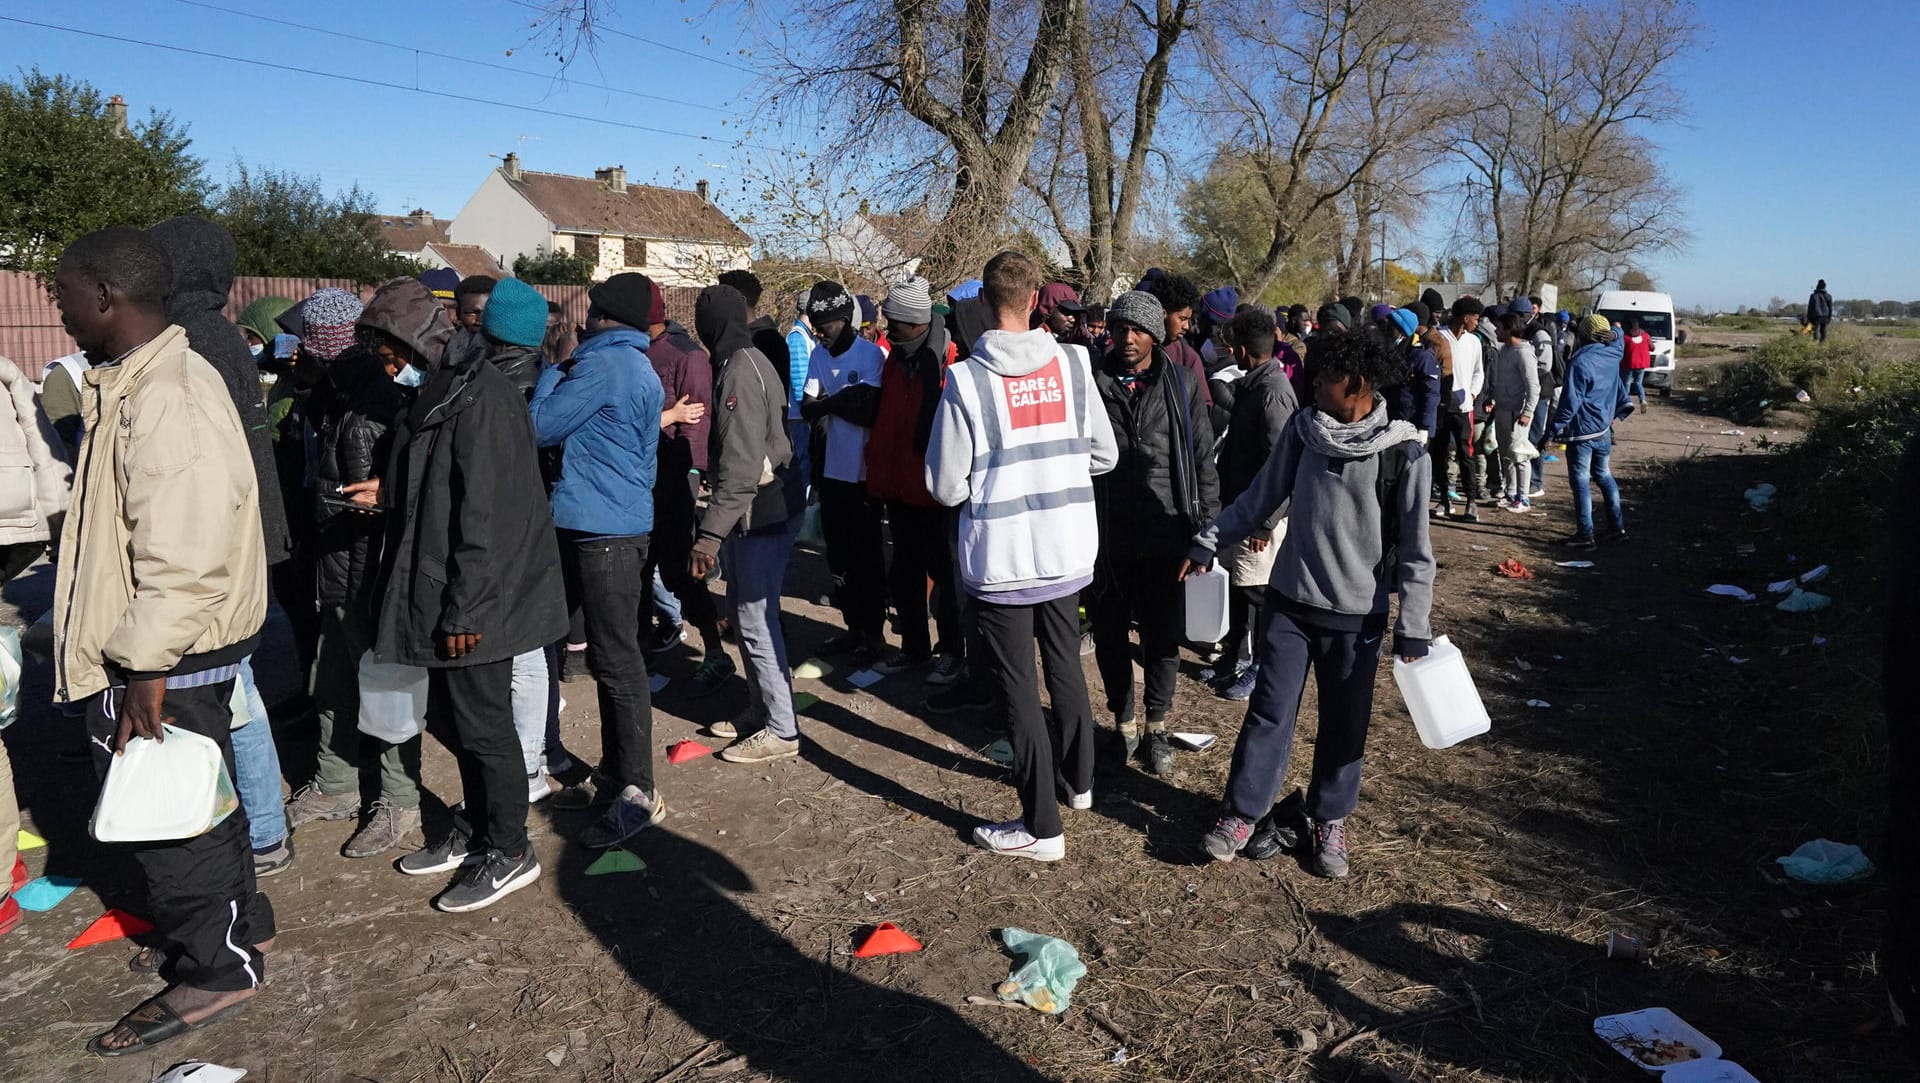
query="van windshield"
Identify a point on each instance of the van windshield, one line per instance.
(1658, 324)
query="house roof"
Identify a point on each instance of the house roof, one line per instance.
(909, 231)
(468, 259)
(586, 205)
(412, 232)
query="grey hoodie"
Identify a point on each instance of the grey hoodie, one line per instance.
(1323, 477)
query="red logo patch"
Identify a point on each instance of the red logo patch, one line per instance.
(732, 401)
(1038, 398)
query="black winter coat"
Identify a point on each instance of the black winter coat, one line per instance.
(469, 543)
(203, 256)
(355, 444)
(1263, 403)
(1161, 491)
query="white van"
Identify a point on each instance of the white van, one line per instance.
(1655, 313)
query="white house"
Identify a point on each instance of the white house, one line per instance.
(673, 236)
(879, 248)
(421, 237)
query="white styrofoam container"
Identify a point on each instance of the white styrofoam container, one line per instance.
(1629, 1030)
(175, 788)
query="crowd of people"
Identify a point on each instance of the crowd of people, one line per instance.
(446, 487)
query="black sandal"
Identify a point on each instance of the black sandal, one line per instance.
(153, 1022)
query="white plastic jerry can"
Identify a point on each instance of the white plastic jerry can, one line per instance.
(1440, 696)
(1206, 597)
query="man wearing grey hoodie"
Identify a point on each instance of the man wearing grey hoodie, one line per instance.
(1016, 440)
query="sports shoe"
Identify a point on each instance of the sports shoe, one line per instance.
(724, 728)
(538, 788)
(308, 804)
(844, 643)
(1013, 839)
(1518, 506)
(573, 665)
(1078, 802)
(947, 668)
(665, 638)
(20, 874)
(1129, 736)
(1241, 689)
(1159, 755)
(1537, 492)
(445, 856)
(1228, 837)
(711, 675)
(1471, 514)
(1619, 535)
(273, 860)
(963, 696)
(489, 880)
(633, 813)
(901, 662)
(588, 792)
(1578, 541)
(761, 746)
(1281, 830)
(1086, 644)
(1329, 856)
(866, 656)
(385, 830)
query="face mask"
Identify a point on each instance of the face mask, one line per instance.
(256, 350)
(408, 376)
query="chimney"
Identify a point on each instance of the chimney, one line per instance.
(706, 195)
(510, 166)
(422, 214)
(614, 177)
(117, 112)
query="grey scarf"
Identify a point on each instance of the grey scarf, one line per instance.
(1368, 436)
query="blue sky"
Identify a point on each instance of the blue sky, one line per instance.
(1799, 159)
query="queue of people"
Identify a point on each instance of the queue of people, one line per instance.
(445, 486)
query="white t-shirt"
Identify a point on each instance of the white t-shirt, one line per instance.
(826, 375)
(1469, 372)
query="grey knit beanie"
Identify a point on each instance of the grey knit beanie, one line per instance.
(1137, 308)
(909, 302)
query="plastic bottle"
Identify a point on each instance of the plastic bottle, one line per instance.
(1440, 696)
(1207, 605)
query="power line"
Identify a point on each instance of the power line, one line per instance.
(441, 56)
(447, 94)
(601, 28)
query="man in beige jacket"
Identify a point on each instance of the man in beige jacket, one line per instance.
(161, 592)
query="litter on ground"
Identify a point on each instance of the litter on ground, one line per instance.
(1803, 601)
(1538, 703)
(1513, 569)
(1824, 861)
(865, 678)
(1573, 563)
(1728, 590)
(1761, 495)
(1045, 981)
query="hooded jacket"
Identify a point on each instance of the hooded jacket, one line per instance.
(684, 370)
(910, 384)
(469, 544)
(1324, 479)
(519, 364)
(261, 318)
(161, 568)
(1163, 486)
(1417, 400)
(203, 256)
(355, 444)
(1594, 394)
(749, 456)
(1513, 379)
(1017, 440)
(1263, 405)
(604, 404)
(33, 479)
(1819, 306)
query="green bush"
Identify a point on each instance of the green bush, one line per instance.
(1771, 375)
(1846, 462)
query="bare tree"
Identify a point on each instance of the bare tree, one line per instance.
(1316, 93)
(1562, 183)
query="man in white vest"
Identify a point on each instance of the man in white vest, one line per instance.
(1017, 438)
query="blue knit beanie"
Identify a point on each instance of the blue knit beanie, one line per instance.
(1405, 320)
(516, 314)
(1220, 303)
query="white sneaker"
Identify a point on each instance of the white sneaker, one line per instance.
(1013, 839)
(538, 788)
(1079, 802)
(1537, 493)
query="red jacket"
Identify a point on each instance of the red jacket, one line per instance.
(1639, 352)
(896, 446)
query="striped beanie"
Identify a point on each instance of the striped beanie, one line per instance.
(909, 302)
(329, 316)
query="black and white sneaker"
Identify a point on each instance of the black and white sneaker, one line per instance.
(901, 662)
(489, 881)
(444, 856)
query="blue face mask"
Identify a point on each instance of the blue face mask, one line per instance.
(256, 350)
(408, 376)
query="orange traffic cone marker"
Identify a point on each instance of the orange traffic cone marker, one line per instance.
(687, 750)
(112, 925)
(886, 939)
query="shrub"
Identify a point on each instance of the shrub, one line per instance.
(1746, 389)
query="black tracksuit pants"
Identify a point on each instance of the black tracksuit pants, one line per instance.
(1145, 590)
(1455, 430)
(675, 522)
(855, 555)
(1046, 754)
(921, 553)
(201, 895)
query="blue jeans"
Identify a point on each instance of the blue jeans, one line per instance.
(1588, 459)
(1537, 435)
(256, 767)
(800, 434)
(529, 693)
(756, 570)
(665, 605)
(1637, 384)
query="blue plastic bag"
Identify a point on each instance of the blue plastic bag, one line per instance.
(1824, 861)
(1045, 981)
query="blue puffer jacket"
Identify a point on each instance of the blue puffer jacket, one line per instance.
(604, 404)
(1593, 396)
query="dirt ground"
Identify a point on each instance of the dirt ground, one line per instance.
(1675, 761)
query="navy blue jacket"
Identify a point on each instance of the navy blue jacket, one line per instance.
(604, 404)
(1417, 401)
(1593, 396)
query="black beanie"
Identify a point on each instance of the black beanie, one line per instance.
(1431, 298)
(626, 297)
(1421, 312)
(829, 301)
(1335, 314)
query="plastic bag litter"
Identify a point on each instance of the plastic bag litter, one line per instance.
(1513, 569)
(1803, 601)
(1761, 495)
(199, 1071)
(1728, 590)
(1824, 861)
(1045, 981)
